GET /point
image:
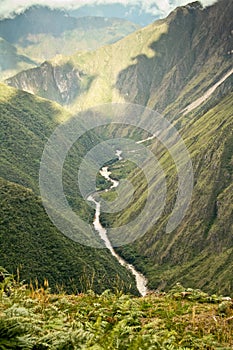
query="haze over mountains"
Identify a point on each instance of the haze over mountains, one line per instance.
(41, 33)
(165, 66)
(149, 67)
(137, 11)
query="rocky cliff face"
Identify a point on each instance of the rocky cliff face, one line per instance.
(58, 83)
(197, 45)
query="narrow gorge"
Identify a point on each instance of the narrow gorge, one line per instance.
(141, 280)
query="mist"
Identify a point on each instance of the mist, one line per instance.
(154, 7)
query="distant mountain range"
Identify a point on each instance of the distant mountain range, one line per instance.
(41, 33)
(166, 66)
(133, 13)
(11, 61)
(171, 61)
(136, 11)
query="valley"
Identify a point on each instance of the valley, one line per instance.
(141, 281)
(31, 242)
(116, 178)
(179, 66)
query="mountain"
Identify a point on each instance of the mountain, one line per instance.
(10, 61)
(61, 82)
(182, 67)
(29, 241)
(200, 251)
(175, 59)
(131, 12)
(42, 33)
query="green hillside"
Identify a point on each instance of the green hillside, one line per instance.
(26, 123)
(199, 253)
(29, 241)
(166, 66)
(32, 244)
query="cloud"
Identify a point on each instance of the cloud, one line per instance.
(163, 7)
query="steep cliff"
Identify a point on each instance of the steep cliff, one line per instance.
(60, 83)
(199, 252)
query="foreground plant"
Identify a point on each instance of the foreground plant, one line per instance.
(35, 319)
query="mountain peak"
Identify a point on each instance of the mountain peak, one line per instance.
(194, 5)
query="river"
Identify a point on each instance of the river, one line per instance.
(141, 280)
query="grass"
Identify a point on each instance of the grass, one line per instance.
(33, 318)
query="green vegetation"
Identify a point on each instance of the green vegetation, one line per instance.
(199, 252)
(152, 68)
(29, 241)
(34, 246)
(26, 123)
(33, 318)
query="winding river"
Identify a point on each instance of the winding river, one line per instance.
(141, 281)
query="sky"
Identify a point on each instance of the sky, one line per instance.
(162, 6)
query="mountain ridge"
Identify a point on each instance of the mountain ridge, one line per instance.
(177, 72)
(199, 252)
(153, 68)
(41, 33)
